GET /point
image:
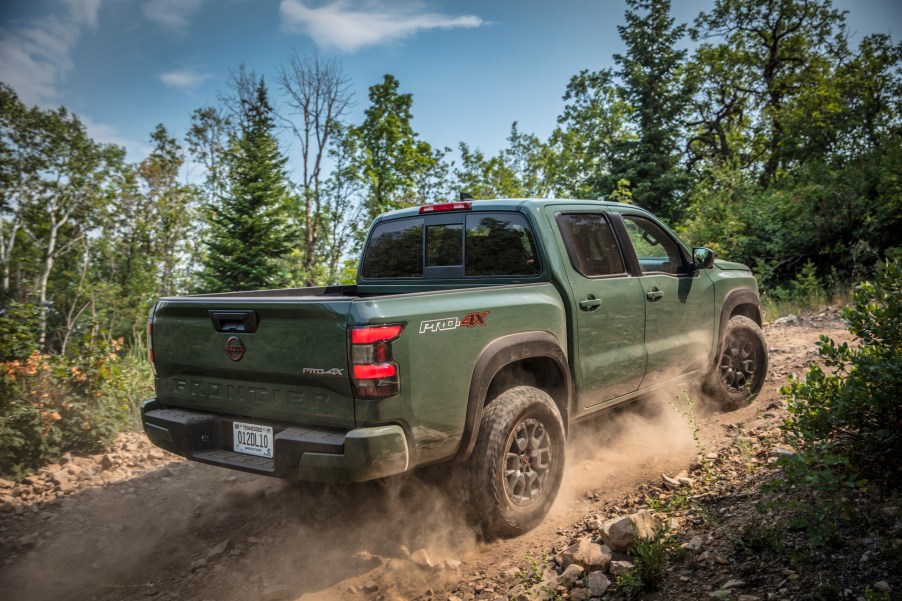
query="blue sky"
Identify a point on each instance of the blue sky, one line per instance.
(473, 67)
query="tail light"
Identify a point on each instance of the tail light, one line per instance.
(150, 356)
(374, 374)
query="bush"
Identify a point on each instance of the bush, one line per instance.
(650, 557)
(847, 421)
(19, 326)
(52, 404)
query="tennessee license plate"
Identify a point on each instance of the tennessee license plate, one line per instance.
(252, 439)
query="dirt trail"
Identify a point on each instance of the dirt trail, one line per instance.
(179, 530)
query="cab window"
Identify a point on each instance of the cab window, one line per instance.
(590, 244)
(656, 251)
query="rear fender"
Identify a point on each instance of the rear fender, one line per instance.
(497, 355)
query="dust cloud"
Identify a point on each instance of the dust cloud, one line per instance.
(209, 533)
(619, 448)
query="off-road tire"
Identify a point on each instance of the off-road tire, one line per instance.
(740, 366)
(511, 492)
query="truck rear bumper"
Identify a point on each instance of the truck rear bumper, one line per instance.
(306, 453)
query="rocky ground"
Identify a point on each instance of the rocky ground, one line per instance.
(138, 523)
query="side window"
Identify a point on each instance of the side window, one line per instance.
(590, 243)
(657, 252)
(395, 250)
(500, 245)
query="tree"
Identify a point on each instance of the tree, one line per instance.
(775, 49)
(318, 97)
(515, 172)
(248, 237)
(594, 125)
(398, 168)
(55, 179)
(650, 81)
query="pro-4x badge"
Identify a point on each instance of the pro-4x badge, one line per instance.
(235, 348)
(471, 320)
(323, 372)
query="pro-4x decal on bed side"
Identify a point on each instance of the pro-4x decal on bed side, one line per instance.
(470, 320)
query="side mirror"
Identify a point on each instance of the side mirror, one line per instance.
(702, 257)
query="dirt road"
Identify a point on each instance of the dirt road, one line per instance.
(140, 524)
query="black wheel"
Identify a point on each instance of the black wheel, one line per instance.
(741, 366)
(518, 462)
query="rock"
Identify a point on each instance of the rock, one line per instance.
(570, 575)
(421, 558)
(782, 452)
(882, 586)
(695, 544)
(275, 592)
(669, 483)
(107, 462)
(787, 321)
(749, 598)
(218, 549)
(198, 564)
(370, 587)
(598, 584)
(619, 533)
(586, 554)
(733, 583)
(620, 567)
(579, 594)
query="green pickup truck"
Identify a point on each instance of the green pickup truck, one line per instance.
(477, 333)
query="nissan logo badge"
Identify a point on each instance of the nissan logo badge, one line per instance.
(235, 348)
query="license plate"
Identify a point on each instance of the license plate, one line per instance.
(252, 439)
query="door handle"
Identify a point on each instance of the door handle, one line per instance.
(654, 295)
(590, 303)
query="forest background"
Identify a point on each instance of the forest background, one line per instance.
(774, 141)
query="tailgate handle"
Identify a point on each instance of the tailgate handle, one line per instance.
(234, 321)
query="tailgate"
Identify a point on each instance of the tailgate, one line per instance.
(282, 359)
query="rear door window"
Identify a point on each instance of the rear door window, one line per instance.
(590, 244)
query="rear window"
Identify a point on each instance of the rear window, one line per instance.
(467, 245)
(395, 250)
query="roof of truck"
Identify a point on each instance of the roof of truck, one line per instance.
(501, 204)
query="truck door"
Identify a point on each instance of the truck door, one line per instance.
(607, 305)
(679, 316)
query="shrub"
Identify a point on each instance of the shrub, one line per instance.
(650, 557)
(847, 420)
(52, 404)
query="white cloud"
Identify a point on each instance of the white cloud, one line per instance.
(36, 58)
(107, 134)
(184, 79)
(350, 26)
(171, 14)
